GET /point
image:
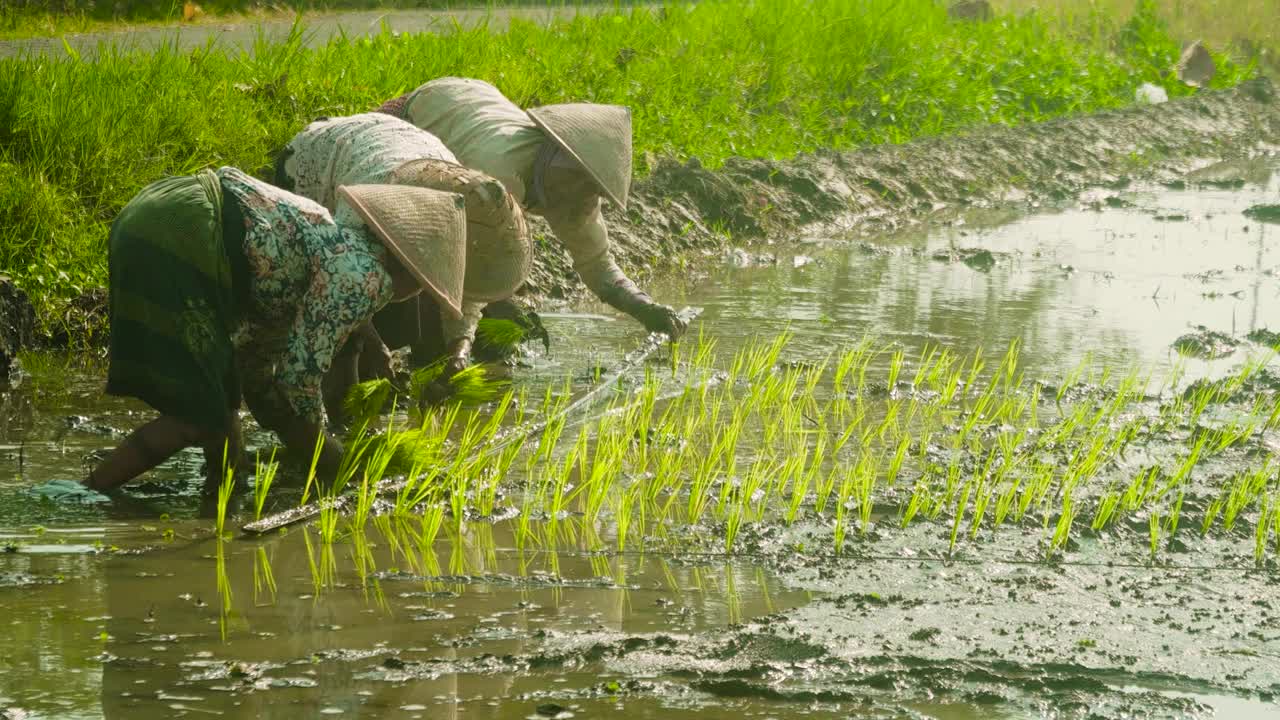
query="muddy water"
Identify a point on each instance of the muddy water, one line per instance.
(133, 609)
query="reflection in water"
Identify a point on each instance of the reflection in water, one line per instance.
(1122, 284)
(295, 653)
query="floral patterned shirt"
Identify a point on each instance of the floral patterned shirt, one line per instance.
(312, 283)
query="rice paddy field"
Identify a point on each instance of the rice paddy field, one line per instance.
(1019, 466)
(1016, 462)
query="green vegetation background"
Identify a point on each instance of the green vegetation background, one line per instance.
(772, 78)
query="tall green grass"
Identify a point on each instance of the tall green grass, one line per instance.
(765, 78)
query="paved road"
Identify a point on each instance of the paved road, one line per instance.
(236, 36)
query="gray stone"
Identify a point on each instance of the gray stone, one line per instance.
(976, 10)
(1196, 67)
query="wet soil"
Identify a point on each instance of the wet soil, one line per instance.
(122, 611)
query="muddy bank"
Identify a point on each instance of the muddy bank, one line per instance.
(681, 209)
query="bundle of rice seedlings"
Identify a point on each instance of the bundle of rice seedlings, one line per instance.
(474, 385)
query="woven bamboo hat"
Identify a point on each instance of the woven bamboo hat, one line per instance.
(598, 137)
(498, 246)
(425, 229)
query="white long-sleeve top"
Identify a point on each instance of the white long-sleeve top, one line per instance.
(489, 133)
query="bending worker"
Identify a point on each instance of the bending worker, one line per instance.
(374, 148)
(220, 282)
(557, 161)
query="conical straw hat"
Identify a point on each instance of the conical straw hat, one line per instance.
(425, 229)
(498, 247)
(598, 137)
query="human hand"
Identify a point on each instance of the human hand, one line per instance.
(661, 318)
(377, 363)
(456, 361)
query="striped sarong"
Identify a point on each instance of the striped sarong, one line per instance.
(173, 305)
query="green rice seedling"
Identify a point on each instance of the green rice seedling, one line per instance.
(1071, 379)
(1106, 512)
(263, 476)
(627, 501)
(899, 456)
(927, 354)
(430, 522)
(1041, 481)
(895, 368)
(890, 420)
(842, 504)
(364, 401)
(472, 386)
(1153, 533)
(1171, 524)
(799, 490)
(1273, 420)
(1062, 531)
(1211, 515)
(1245, 488)
(847, 365)
(1184, 470)
(980, 504)
(498, 336)
(919, 501)
(225, 489)
(949, 390)
(822, 488)
(1140, 488)
(1261, 530)
(1005, 501)
(962, 505)
(866, 472)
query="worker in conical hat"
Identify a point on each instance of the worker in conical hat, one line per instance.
(224, 287)
(375, 148)
(558, 161)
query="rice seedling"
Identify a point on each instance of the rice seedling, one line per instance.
(311, 471)
(1153, 533)
(225, 489)
(263, 478)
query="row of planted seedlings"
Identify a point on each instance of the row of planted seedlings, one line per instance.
(869, 438)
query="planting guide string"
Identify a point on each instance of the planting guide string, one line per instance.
(634, 359)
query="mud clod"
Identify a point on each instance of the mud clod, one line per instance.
(1205, 344)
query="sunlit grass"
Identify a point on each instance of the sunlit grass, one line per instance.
(711, 80)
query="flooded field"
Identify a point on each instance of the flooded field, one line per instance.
(1085, 527)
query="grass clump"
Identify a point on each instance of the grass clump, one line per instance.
(713, 80)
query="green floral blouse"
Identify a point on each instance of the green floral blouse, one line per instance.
(312, 283)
